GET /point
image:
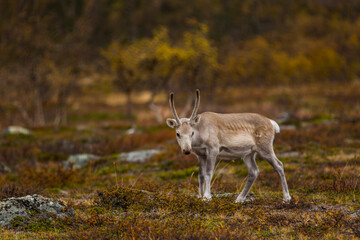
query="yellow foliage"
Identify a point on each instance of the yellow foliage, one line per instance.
(156, 57)
(261, 61)
(327, 63)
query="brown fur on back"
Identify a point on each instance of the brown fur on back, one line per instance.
(248, 122)
(253, 124)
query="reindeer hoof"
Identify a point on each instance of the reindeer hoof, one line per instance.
(249, 198)
(246, 200)
(206, 198)
(239, 201)
(287, 200)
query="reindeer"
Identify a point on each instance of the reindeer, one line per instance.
(212, 135)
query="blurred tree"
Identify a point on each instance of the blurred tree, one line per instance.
(192, 62)
(64, 85)
(38, 40)
(161, 61)
(200, 63)
(47, 46)
(125, 62)
(152, 62)
(161, 64)
(146, 63)
(327, 64)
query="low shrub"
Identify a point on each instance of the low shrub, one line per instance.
(8, 189)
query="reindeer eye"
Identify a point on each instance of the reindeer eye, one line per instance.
(192, 134)
(178, 134)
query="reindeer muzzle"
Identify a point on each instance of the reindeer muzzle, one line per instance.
(186, 152)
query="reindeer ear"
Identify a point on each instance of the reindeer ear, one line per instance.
(171, 122)
(196, 120)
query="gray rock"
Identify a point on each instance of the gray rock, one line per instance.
(132, 130)
(139, 156)
(351, 141)
(81, 128)
(224, 195)
(329, 122)
(79, 160)
(4, 168)
(16, 130)
(283, 117)
(22, 206)
(250, 198)
(289, 154)
(287, 127)
(355, 214)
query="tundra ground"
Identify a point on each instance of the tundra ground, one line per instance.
(319, 145)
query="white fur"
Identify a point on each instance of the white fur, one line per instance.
(276, 126)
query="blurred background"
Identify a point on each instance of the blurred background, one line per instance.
(84, 87)
(66, 62)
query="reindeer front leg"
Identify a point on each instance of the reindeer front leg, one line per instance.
(209, 171)
(202, 171)
(253, 173)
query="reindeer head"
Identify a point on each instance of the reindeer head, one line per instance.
(185, 127)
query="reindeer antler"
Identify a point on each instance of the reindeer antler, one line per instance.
(197, 103)
(172, 106)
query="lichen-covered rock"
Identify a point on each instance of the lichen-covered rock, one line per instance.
(139, 156)
(4, 168)
(79, 160)
(23, 206)
(289, 154)
(16, 130)
(132, 130)
(283, 117)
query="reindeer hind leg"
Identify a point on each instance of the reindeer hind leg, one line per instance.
(270, 157)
